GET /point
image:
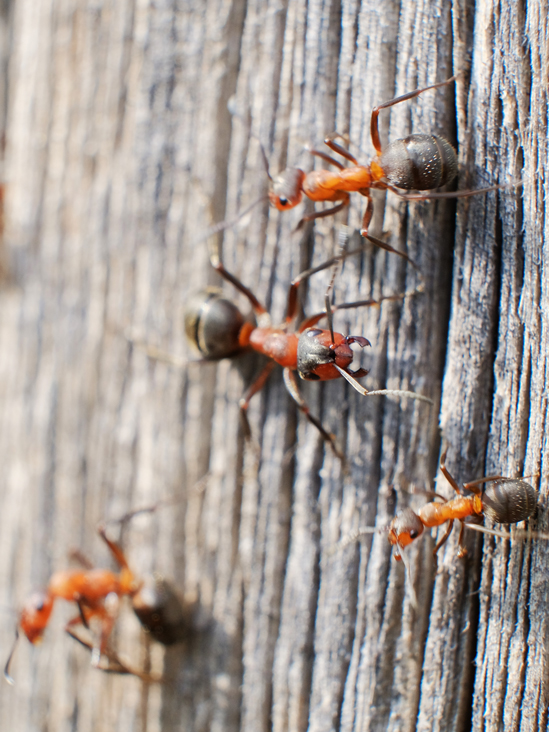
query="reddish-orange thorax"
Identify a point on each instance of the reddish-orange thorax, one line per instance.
(276, 344)
(92, 585)
(435, 514)
(325, 185)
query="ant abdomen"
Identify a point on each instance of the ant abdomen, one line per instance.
(419, 162)
(160, 611)
(213, 324)
(509, 501)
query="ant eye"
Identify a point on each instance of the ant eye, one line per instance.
(39, 605)
(414, 534)
(283, 201)
(313, 332)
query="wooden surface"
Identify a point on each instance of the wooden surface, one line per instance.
(120, 152)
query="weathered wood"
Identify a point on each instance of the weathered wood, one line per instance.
(120, 153)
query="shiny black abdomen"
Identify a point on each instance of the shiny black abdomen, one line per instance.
(419, 162)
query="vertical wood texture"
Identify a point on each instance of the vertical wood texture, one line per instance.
(120, 152)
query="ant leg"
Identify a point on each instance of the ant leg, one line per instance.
(366, 219)
(327, 212)
(339, 149)
(389, 248)
(444, 538)
(446, 473)
(291, 309)
(76, 555)
(115, 549)
(344, 236)
(374, 130)
(368, 213)
(446, 194)
(217, 264)
(328, 158)
(81, 616)
(473, 485)
(292, 387)
(313, 319)
(256, 386)
(462, 551)
(116, 665)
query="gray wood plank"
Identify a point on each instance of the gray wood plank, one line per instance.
(130, 130)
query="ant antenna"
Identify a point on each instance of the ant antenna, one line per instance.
(408, 567)
(265, 160)
(381, 392)
(157, 354)
(354, 537)
(229, 223)
(7, 676)
(344, 235)
(329, 314)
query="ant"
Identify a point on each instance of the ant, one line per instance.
(97, 594)
(416, 162)
(503, 500)
(218, 329)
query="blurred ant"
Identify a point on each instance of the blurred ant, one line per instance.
(97, 594)
(416, 162)
(217, 329)
(503, 500)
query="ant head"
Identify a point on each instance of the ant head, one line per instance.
(35, 616)
(286, 189)
(509, 501)
(317, 353)
(404, 528)
(213, 324)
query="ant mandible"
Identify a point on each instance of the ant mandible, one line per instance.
(503, 500)
(97, 593)
(416, 162)
(217, 329)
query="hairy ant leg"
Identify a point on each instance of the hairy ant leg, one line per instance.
(374, 128)
(114, 664)
(253, 389)
(291, 385)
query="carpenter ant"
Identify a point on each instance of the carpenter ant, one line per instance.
(217, 329)
(97, 594)
(503, 500)
(416, 162)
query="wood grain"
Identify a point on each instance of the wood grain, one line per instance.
(130, 129)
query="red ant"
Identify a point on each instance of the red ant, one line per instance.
(217, 329)
(503, 500)
(417, 162)
(97, 593)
